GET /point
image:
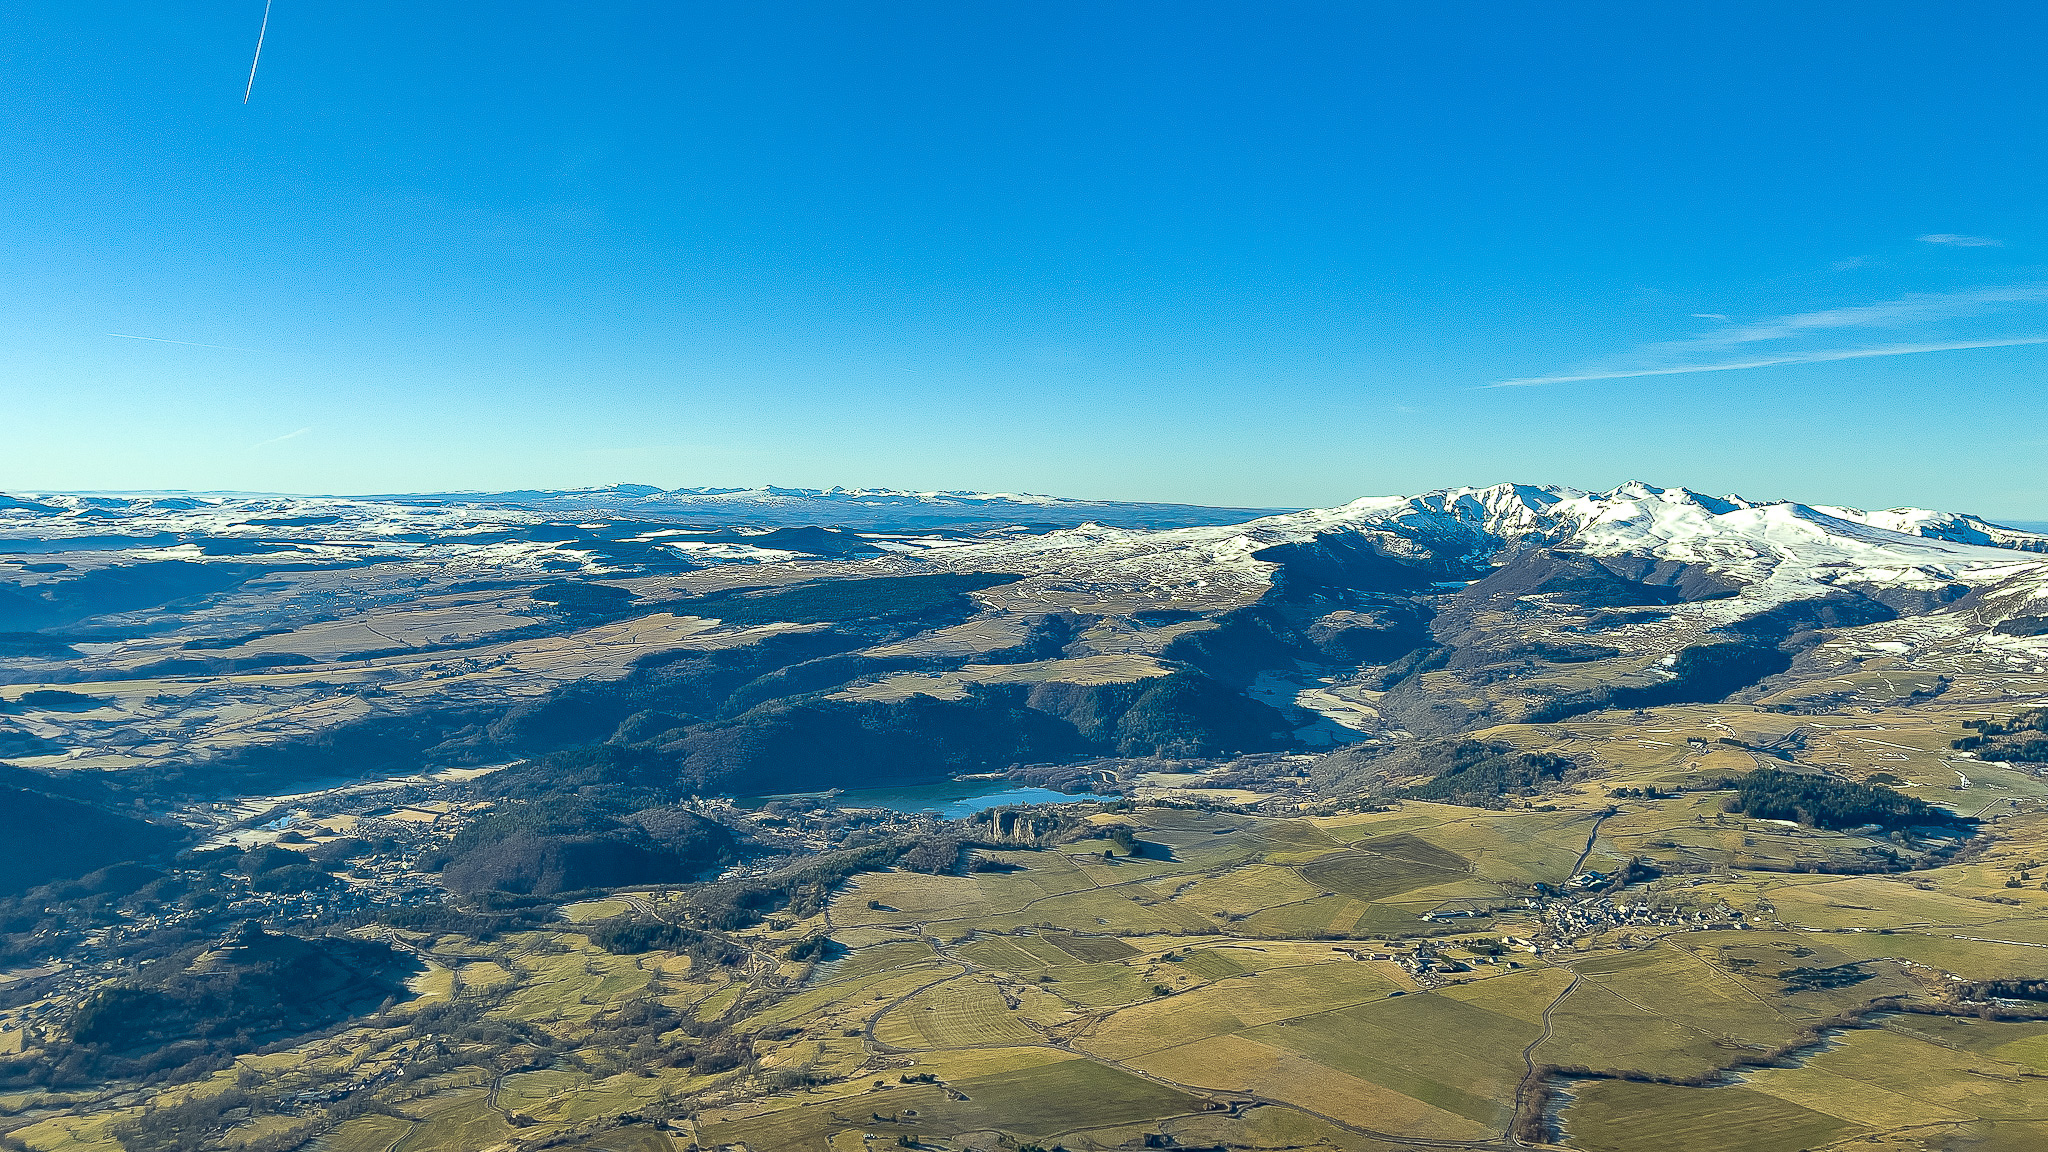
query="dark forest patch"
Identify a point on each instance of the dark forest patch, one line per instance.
(50, 837)
(1702, 674)
(1475, 773)
(2022, 739)
(545, 847)
(21, 742)
(578, 599)
(836, 601)
(54, 700)
(1576, 580)
(1824, 802)
(2022, 626)
(35, 644)
(122, 588)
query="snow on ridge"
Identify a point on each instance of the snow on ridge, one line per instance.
(82, 514)
(1781, 543)
(1776, 550)
(1640, 517)
(764, 493)
(1958, 527)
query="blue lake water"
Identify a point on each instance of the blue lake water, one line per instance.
(957, 800)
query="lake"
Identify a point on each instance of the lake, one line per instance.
(956, 800)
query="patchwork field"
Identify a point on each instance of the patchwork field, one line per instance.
(1086, 1002)
(1408, 976)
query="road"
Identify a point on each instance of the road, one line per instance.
(1529, 1054)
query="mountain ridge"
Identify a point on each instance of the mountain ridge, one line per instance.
(1493, 505)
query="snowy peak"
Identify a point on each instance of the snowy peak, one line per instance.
(1639, 491)
(1504, 515)
(1743, 539)
(1637, 516)
(1779, 549)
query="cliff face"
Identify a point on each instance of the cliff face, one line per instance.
(1023, 827)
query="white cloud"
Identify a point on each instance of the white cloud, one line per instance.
(1954, 240)
(1708, 316)
(1935, 322)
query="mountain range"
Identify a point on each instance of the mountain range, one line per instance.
(494, 626)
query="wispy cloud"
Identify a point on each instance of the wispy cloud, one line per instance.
(1954, 240)
(279, 439)
(186, 343)
(1774, 361)
(1904, 312)
(1935, 322)
(1708, 316)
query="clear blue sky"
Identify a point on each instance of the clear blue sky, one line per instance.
(1254, 254)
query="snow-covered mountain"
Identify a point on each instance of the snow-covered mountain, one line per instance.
(1959, 527)
(1763, 553)
(1675, 523)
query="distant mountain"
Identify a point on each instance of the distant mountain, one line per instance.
(618, 518)
(1499, 511)
(874, 509)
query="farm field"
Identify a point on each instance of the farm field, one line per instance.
(1235, 969)
(1594, 971)
(1368, 980)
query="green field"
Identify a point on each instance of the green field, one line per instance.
(1618, 1116)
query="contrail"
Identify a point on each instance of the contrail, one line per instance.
(259, 56)
(280, 439)
(186, 343)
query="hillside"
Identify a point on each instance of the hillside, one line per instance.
(247, 989)
(545, 848)
(53, 838)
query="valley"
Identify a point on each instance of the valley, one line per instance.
(1488, 818)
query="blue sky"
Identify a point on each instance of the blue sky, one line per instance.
(1276, 254)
